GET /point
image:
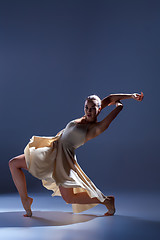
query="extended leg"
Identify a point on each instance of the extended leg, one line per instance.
(16, 164)
(83, 198)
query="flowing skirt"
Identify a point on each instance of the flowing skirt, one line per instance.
(48, 161)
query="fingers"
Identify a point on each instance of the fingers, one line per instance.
(142, 95)
(138, 97)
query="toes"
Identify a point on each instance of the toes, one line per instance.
(25, 215)
(108, 214)
(28, 213)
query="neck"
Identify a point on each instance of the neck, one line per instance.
(84, 120)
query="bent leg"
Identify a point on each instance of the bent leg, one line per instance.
(83, 198)
(16, 164)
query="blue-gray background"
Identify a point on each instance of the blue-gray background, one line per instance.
(53, 54)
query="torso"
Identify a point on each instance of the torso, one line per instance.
(74, 134)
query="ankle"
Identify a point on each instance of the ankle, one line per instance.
(24, 198)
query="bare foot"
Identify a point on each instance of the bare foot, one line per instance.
(109, 203)
(27, 206)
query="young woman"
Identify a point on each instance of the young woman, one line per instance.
(53, 159)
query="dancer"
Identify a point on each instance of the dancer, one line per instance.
(53, 159)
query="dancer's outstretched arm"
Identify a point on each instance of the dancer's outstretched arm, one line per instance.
(112, 98)
(99, 127)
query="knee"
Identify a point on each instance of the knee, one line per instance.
(11, 163)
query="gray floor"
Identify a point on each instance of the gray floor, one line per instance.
(137, 217)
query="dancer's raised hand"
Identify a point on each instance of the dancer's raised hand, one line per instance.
(137, 96)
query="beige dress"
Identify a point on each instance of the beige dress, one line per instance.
(53, 160)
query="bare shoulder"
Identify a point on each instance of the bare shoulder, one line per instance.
(92, 131)
(78, 120)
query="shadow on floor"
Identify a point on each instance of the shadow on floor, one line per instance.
(43, 218)
(118, 227)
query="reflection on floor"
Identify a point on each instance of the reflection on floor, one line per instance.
(137, 217)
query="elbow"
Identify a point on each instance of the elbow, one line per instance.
(119, 105)
(119, 108)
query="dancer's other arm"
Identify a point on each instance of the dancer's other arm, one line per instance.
(113, 98)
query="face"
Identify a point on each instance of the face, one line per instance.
(91, 110)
